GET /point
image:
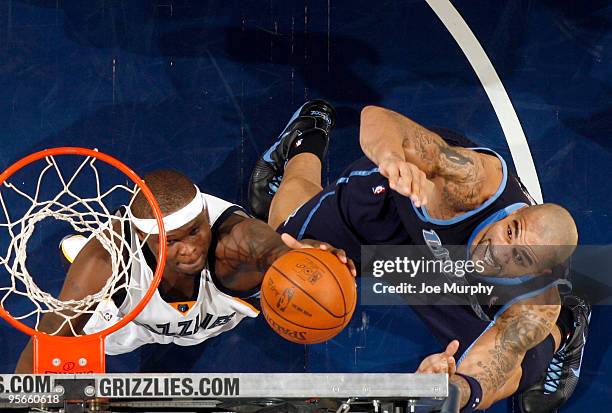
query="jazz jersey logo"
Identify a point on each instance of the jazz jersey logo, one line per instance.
(190, 327)
(435, 245)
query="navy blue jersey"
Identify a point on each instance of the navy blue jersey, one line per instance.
(373, 209)
(371, 214)
(360, 209)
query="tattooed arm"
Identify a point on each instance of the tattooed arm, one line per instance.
(463, 178)
(496, 357)
(245, 250)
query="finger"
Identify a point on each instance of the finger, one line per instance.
(427, 192)
(324, 246)
(390, 171)
(452, 366)
(394, 182)
(417, 183)
(292, 242)
(443, 366)
(405, 184)
(425, 367)
(421, 189)
(435, 363)
(341, 255)
(352, 267)
(394, 173)
(424, 200)
(382, 168)
(452, 348)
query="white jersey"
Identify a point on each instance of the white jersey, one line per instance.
(213, 312)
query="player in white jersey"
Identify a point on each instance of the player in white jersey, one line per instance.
(164, 321)
(216, 256)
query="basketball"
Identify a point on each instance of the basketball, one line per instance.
(308, 296)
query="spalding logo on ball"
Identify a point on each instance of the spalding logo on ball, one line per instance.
(308, 296)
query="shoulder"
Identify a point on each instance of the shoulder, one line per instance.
(222, 214)
(467, 178)
(219, 209)
(228, 222)
(536, 314)
(93, 250)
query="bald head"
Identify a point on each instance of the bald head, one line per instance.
(172, 189)
(554, 227)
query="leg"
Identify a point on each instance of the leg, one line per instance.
(331, 213)
(307, 133)
(301, 181)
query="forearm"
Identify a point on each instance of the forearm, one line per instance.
(498, 376)
(247, 248)
(464, 388)
(495, 360)
(258, 243)
(385, 134)
(380, 135)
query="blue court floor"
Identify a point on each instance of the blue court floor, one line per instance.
(204, 86)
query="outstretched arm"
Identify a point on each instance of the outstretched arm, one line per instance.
(247, 248)
(496, 357)
(463, 178)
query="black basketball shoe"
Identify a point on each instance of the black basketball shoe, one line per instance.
(564, 369)
(316, 116)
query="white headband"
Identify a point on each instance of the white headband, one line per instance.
(173, 221)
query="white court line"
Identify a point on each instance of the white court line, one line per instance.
(517, 142)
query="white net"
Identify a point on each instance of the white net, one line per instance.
(79, 199)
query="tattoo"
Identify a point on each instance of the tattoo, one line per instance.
(421, 149)
(462, 169)
(453, 156)
(518, 331)
(464, 389)
(245, 251)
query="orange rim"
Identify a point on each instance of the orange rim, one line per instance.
(159, 271)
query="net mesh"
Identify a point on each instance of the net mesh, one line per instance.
(85, 208)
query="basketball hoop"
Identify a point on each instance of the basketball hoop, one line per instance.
(79, 353)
